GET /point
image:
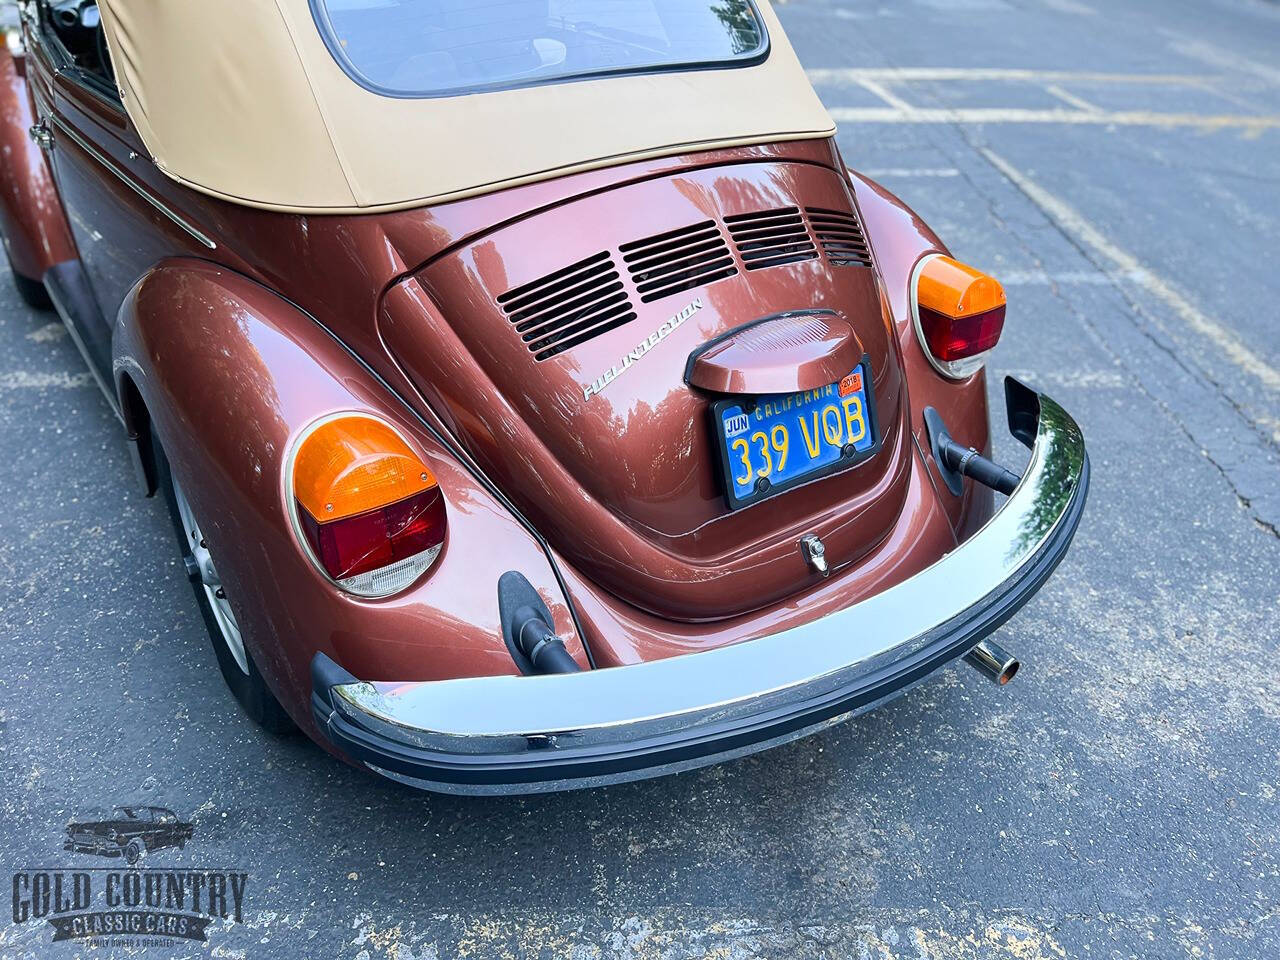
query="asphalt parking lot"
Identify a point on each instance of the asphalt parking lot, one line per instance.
(1117, 164)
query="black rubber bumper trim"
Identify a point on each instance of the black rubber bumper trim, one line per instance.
(599, 763)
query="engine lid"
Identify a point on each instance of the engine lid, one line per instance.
(577, 352)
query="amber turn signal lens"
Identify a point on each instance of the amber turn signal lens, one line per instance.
(352, 464)
(959, 314)
(367, 506)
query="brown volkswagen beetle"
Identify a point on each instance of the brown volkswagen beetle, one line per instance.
(539, 400)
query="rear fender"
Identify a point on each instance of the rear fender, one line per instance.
(35, 228)
(900, 238)
(230, 374)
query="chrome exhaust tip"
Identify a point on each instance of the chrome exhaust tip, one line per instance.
(993, 660)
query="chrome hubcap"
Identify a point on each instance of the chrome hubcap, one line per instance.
(210, 582)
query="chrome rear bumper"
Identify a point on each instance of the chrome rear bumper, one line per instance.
(516, 734)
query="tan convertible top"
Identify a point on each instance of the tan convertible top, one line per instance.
(242, 99)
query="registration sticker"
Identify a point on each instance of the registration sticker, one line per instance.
(771, 443)
(736, 423)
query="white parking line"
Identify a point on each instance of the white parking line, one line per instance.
(992, 115)
(1092, 379)
(1067, 96)
(1207, 53)
(912, 74)
(878, 173)
(1071, 6)
(1068, 278)
(25, 380)
(892, 99)
(1125, 266)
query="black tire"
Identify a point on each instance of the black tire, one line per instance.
(32, 292)
(249, 688)
(134, 851)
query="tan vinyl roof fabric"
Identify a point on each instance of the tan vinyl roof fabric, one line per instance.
(241, 99)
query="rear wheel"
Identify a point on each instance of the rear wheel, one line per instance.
(237, 666)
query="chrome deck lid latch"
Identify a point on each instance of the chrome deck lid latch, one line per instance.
(41, 134)
(814, 553)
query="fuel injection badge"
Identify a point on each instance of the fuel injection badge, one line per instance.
(665, 330)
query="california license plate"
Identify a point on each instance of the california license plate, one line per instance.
(774, 442)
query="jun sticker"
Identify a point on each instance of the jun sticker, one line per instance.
(736, 423)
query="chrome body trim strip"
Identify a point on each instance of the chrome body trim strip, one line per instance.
(129, 181)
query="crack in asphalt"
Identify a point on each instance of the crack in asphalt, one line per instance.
(1141, 320)
(1138, 312)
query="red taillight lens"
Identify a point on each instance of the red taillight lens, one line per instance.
(959, 314)
(952, 338)
(367, 505)
(378, 538)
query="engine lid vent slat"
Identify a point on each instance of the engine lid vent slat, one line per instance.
(552, 303)
(555, 314)
(569, 306)
(771, 238)
(583, 300)
(678, 260)
(840, 235)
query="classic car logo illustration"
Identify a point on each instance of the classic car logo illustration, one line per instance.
(668, 327)
(129, 905)
(131, 833)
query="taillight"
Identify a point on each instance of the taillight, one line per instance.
(958, 313)
(367, 507)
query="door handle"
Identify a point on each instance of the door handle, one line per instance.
(41, 134)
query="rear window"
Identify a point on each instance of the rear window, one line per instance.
(428, 48)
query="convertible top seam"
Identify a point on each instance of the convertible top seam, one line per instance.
(343, 165)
